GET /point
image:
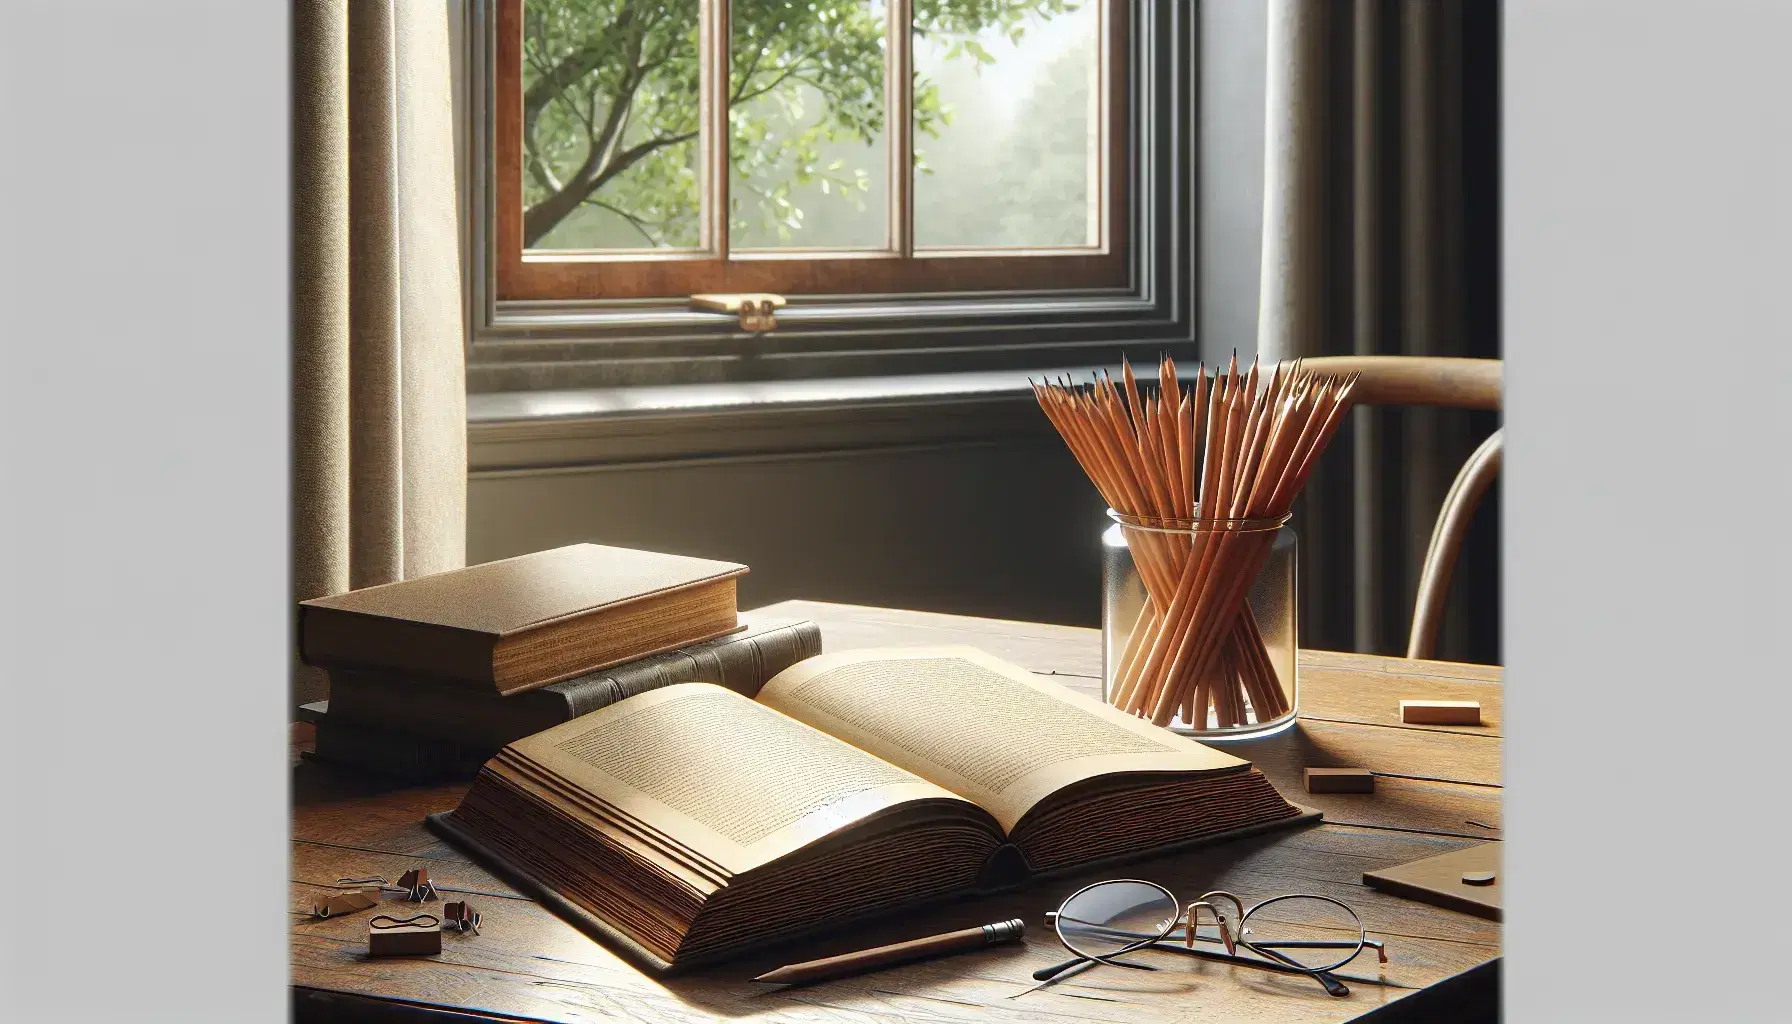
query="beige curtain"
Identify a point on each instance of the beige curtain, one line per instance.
(1380, 236)
(379, 392)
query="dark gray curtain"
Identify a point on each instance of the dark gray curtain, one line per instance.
(1380, 237)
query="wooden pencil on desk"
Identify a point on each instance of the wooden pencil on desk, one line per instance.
(867, 960)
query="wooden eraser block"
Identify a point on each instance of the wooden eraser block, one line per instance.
(1340, 780)
(1440, 712)
(404, 940)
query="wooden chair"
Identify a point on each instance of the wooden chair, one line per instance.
(1448, 383)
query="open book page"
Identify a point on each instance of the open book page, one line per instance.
(733, 780)
(987, 730)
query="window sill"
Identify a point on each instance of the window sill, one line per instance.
(566, 352)
(544, 430)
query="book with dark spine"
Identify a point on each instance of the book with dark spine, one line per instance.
(395, 755)
(422, 709)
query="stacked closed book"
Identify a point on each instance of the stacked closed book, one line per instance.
(524, 622)
(415, 729)
(430, 677)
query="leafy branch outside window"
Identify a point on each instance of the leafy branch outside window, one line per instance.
(611, 111)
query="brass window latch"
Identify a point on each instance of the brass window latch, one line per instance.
(753, 308)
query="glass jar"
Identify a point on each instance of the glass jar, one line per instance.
(1238, 664)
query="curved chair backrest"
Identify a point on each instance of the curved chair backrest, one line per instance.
(1449, 383)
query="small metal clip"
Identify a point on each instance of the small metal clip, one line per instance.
(347, 903)
(460, 916)
(415, 885)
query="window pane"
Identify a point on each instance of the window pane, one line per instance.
(807, 143)
(610, 115)
(1007, 131)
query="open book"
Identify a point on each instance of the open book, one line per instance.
(691, 822)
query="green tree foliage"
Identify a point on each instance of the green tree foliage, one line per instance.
(610, 109)
(1019, 179)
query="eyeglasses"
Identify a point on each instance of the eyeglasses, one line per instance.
(1298, 933)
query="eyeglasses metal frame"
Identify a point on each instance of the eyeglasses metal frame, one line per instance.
(1271, 950)
(1189, 917)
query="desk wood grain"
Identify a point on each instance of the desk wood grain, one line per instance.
(1439, 792)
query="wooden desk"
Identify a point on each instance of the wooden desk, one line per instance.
(1441, 792)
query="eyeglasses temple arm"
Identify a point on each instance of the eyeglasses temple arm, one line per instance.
(1377, 945)
(1325, 978)
(1054, 970)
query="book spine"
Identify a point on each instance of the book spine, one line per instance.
(398, 755)
(743, 662)
(333, 638)
(423, 708)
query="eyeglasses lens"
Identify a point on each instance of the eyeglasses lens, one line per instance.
(1315, 934)
(1104, 919)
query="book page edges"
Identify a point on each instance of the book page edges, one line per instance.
(998, 876)
(623, 602)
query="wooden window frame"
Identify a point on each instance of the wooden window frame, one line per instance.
(532, 344)
(543, 275)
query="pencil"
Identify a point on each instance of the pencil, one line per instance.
(1195, 474)
(867, 960)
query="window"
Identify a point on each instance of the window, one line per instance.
(912, 174)
(639, 158)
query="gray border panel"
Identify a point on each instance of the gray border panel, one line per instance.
(143, 416)
(1646, 271)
